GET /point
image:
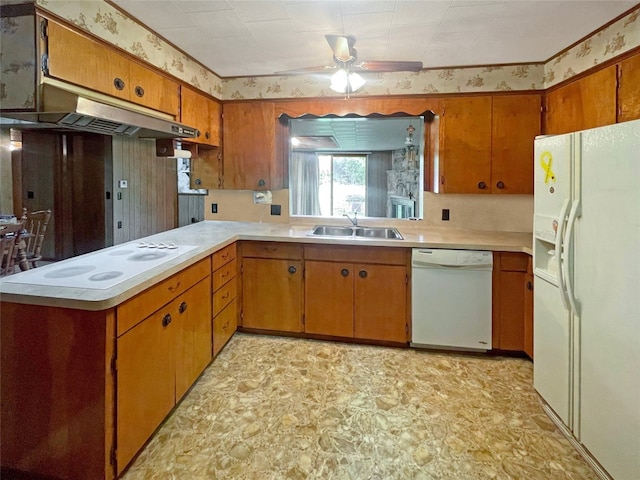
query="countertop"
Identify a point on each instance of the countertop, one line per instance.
(209, 236)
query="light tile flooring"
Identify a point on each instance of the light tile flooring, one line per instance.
(277, 408)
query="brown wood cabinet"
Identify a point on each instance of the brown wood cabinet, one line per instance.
(486, 144)
(516, 122)
(629, 89)
(203, 113)
(98, 67)
(465, 145)
(588, 102)
(249, 147)
(160, 357)
(356, 292)
(225, 310)
(272, 286)
(509, 271)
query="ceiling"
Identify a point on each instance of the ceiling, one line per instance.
(236, 38)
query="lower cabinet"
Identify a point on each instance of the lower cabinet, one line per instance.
(272, 286)
(357, 292)
(509, 273)
(159, 358)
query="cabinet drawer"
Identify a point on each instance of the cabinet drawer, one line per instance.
(224, 255)
(134, 310)
(224, 326)
(343, 253)
(514, 262)
(223, 296)
(272, 250)
(223, 274)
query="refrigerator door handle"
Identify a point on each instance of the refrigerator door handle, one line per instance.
(575, 210)
(559, 253)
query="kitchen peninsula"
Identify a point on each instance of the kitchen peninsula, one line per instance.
(89, 373)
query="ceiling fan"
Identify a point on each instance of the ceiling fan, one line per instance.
(346, 79)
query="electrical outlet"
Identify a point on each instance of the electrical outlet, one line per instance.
(276, 209)
(119, 195)
(214, 208)
(119, 224)
(445, 214)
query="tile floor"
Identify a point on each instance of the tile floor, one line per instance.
(278, 408)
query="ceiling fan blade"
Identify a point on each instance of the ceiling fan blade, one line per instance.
(389, 66)
(308, 70)
(342, 47)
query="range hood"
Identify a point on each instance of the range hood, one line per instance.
(64, 106)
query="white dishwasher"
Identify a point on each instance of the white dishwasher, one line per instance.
(451, 299)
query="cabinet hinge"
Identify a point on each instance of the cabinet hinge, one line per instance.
(112, 456)
(114, 367)
(241, 268)
(44, 29)
(442, 180)
(406, 279)
(303, 321)
(406, 328)
(44, 63)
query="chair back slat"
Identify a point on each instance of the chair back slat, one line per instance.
(36, 226)
(10, 235)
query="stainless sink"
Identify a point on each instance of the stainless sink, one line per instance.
(378, 232)
(356, 232)
(332, 231)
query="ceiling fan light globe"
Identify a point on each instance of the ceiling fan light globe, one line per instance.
(339, 81)
(355, 81)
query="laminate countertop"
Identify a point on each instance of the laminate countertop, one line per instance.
(204, 238)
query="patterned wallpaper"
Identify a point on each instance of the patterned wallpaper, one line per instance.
(104, 21)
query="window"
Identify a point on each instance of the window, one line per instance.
(342, 184)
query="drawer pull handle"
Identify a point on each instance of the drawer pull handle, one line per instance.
(225, 296)
(226, 325)
(173, 289)
(182, 307)
(225, 274)
(166, 320)
(344, 272)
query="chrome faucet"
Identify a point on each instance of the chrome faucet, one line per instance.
(354, 220)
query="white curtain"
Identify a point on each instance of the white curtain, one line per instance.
(304, 183)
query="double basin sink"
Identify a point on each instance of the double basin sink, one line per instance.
(356, 231)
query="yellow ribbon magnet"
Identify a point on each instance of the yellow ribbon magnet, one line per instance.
(546, 159)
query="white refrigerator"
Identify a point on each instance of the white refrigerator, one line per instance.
(586, 257)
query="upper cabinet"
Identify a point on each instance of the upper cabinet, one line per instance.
(586, 103)
(515, 124)
(249, 148)
(203, 113)
(486, 144)
(97, 67)
(629, 89)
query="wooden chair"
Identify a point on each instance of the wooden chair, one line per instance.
(10, 237)
(36, 226)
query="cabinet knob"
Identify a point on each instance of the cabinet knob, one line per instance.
(292, 269)
(118, 83)
(482, 185)
(362, 273)
(500, 185)
(344, 272)
(182, 307)
(197, 181)
(166, 320)
(261, 183)
(139, 91)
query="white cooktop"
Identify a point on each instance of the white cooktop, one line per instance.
(103, 269)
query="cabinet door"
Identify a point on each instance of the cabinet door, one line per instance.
(249, 152)
(329, 298)
(629, 89)
(145, 382)
(272, 294)
(586, 103)
(91, 65)
(153, 90)
(465, 145)
(192, 316)
(516, 122)
(224, 326)
(381, 302)
(509, 270)
(203, 113)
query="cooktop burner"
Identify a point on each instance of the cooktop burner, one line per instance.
(102, 269)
